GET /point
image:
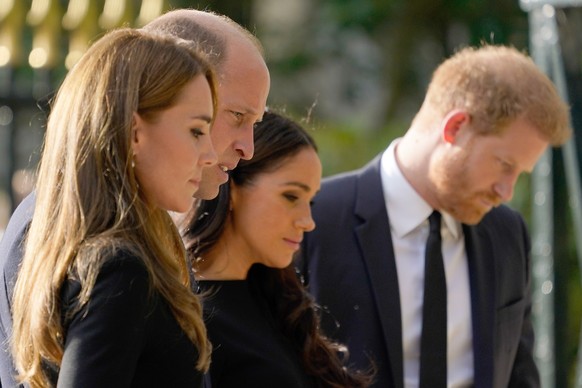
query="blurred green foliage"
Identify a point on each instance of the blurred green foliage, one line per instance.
(346, 148)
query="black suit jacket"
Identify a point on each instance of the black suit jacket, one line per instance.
(348, 264)
(10, 258)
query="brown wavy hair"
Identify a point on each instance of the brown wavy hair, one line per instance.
(88, 202)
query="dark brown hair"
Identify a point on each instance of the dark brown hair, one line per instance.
(277, 139)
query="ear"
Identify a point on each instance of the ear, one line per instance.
(453, 123)
(136, 132)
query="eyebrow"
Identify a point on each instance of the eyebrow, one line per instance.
(302, 186)
(245, 111)
(206, 118)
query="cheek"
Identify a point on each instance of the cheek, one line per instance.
(451, 175)
(258, 215)
(220, 135)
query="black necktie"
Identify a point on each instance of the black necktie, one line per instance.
(433, 343)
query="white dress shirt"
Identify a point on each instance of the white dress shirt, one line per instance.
(408, 214)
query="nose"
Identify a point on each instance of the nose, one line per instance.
(245, 145)
(504, 188)
(208, 155)
(305, 221)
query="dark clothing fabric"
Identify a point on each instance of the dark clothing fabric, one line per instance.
(124, 337)
(249, 350)
(10, 258)
(349, 265)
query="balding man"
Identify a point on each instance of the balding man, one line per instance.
(243, 87)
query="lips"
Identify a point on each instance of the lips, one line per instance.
(294, 243)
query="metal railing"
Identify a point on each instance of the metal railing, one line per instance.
(546, 52)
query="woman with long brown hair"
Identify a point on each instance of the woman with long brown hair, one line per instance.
(103, 298)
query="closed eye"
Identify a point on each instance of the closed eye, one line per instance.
(505, 165)
(290, 197)
(196, 132)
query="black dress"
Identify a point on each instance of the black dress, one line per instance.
(248, 348)
(125, 336)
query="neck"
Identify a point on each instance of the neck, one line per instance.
(222, 262)
(414, 155)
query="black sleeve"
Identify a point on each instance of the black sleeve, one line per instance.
(104, 339)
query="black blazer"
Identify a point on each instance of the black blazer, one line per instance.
(348, 264)
(10, 258)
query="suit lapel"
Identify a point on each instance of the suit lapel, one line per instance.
(376, 245)
(482, 281)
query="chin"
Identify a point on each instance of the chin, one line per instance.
(182, 208)
(206, 193)
(471, 217)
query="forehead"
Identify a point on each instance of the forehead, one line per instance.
(244, 81)
(520, 144)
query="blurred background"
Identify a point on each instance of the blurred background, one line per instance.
(352, 71)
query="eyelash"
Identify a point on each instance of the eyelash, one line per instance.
(505, 165)
(196, 132)
(291, 197)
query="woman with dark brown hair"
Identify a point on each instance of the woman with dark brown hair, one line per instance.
(262, 323)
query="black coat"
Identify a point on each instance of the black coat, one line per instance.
(348, 263)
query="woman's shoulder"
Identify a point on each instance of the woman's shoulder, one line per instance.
(126, 257)
(109, 255)
(116, 272)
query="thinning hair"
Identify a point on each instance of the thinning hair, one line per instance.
(210, 31)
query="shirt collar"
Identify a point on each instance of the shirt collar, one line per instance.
(406, 207)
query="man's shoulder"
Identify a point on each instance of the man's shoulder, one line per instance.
(503, 223)
(502, 215)
(346, 179)
(13, 237)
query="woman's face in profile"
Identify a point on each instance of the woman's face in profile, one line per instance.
(171, 150)
(271, 213)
